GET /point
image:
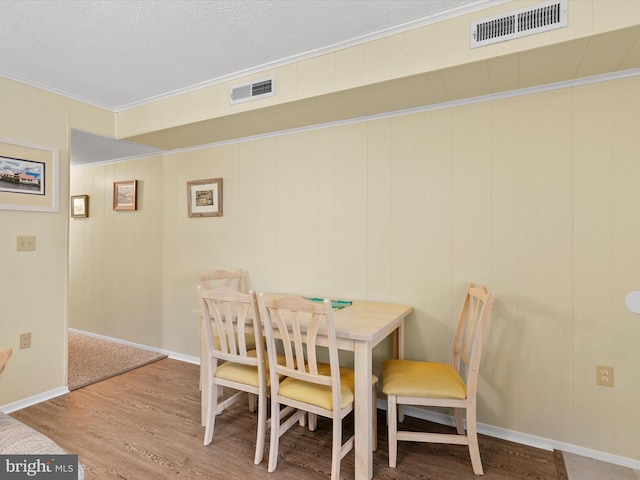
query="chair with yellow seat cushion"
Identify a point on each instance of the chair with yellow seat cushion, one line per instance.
(228, 316)
(235, 280)
(302, 384)
(407, 382)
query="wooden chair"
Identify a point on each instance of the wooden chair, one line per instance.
(228, 316)
(301, 384)
(235, 280)
(407, 382)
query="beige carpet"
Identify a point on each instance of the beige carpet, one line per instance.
(93, 359)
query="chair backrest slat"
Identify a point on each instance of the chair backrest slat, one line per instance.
(472, 326)
(312, 337)
(298, 341)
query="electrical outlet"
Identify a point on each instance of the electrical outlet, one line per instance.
(604, 375)
(25, 340)
(25, 243)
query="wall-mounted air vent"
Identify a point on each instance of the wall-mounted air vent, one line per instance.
(253, 90)
(519, 23)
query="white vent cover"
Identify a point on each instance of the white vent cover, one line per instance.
(519, 23)
(252, 91)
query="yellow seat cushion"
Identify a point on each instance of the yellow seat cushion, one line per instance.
(422, 379)
(320, 395)
(238, 372)
(247, 374)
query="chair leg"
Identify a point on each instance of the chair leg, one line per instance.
(275, 436)
(252, 402)
(392, 419)
(457, 416)
(374, 419)
(313, 421)
(211, 412)
(262, 425)
(472, 435)
(336, 446)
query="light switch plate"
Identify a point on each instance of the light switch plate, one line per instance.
(25, 340)
(26, 243)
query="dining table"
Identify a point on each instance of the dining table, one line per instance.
(360, 326)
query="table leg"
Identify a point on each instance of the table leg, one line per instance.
(398, 352)
(397, 342)
(363, 412)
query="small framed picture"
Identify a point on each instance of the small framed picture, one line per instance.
(125, 195)
(204, 198)
(79, 206)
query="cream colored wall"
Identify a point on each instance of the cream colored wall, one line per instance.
(33, 285)
(534, 196)
(438, 47)
(115, 256)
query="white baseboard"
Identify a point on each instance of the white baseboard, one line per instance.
(521, 438)
(175, 355)
(34, 399)
(116, 340)
(183, 358)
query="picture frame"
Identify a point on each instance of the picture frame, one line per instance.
(79, 206)
(29, 176)
(125, 196)
(204, 198)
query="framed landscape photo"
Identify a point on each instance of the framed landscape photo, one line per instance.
(79, 206)
(125, 195)
(28, 177)
(204, 198)
(22, 176)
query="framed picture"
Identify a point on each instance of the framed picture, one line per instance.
(22, 176)
(28, 177)
(79, 206)
(125, 195)
(204, 198)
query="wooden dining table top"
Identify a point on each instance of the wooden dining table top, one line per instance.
(364, 320)
(369, 321)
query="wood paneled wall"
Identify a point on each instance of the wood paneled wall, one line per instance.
(533, 195)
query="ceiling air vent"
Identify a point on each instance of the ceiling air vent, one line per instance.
(252, 91)
(519, 23)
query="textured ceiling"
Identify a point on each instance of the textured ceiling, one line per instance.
(118, 53)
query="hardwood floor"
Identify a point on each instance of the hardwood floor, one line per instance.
(145, 424)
